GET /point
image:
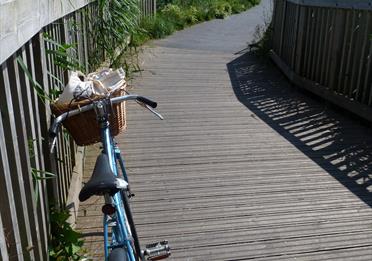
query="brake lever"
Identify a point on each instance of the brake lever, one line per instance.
(151, 109)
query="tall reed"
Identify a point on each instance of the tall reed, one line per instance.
(116, 21)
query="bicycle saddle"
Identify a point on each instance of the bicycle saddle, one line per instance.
(102, 181)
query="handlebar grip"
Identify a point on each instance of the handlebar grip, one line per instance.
(149, 102)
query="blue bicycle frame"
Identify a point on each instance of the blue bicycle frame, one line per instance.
(120, 232)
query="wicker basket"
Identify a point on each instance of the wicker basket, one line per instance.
(84, 127)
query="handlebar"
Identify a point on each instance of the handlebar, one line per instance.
(54, 128)
(146, 101)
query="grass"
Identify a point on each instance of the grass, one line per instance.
(176, 15)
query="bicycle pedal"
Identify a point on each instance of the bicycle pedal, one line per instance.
(157, 251)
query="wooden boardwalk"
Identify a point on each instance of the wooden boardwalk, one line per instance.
(244, 166)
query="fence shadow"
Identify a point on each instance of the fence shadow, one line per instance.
(340, 145)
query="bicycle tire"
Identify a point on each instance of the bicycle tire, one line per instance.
(118, 254)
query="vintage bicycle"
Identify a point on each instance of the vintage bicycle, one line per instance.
(110, 180)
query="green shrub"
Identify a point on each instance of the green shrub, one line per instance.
(139, 37)
(176, 14)
(158, 27)
(65, 242)
(173, 14)
(192, 15)
(221, 10)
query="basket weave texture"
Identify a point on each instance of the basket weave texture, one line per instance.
(84, 127)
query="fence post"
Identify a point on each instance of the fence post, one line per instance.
(282, 27)
(43, 207)
(299, 40)
(7, 201)
(337, 43)
(41, 77)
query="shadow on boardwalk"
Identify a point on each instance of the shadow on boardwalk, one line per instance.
(341, 146)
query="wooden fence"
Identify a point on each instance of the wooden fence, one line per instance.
(26, 187)
(148, 7)
(326, 48)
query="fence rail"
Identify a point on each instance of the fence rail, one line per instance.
(326, 47)
(26, 191)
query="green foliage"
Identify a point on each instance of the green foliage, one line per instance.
(37, 87)
(220, 10)
(264, 44)
(37, 175)
(117, 20)
(65, 242)
(62, 56)
(157, 27)
(177, 14)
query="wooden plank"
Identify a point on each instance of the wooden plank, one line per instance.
(322, 43)
(292, 37)
(311, 47)
(59, 34)
(275, 18)
(368, 77)
(344, 4)
(306, 49)
(345, 49)
(317, 39)
(41, 77)
(297, 44)
(361, 92)
(63, 157)
(361, 32)
(67, 35)
(79, 37)
(327, 49)
(339, 23)
(84, 25)
(22, 158)
(14, 160)
(349, 86)
(315, 44)
(3, 242)
(38, 153)
(30, 122)
(60, 182)
(282, 28)
(7, 202)
(26, 123)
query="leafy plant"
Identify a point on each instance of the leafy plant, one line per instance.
(221, 10)
(37, 174)
(117, 20)
(65, 242)
(38, 88)
(63, 55)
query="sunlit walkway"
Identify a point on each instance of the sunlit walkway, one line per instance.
(244, 166)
